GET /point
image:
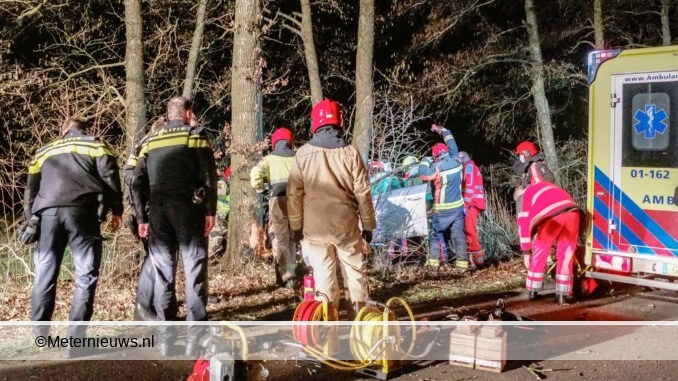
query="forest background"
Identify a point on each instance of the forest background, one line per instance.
(495, 72)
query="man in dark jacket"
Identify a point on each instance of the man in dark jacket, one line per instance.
(72, 183)
(175, 176)
(143, 308)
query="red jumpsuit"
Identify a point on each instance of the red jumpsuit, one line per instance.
(550, 215)
(474, 203)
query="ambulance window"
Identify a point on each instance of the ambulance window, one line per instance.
(649, 127)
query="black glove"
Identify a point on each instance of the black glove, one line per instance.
(297, 235)
(367, 235)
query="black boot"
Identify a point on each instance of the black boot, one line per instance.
(143, 313)
(532, 295)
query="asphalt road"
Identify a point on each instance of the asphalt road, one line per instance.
(624, 304)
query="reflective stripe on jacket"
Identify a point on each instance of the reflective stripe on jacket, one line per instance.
(73, 171)
(540, 201)
(472, 186)
(273, 170)
(175, 161)
(446, 175)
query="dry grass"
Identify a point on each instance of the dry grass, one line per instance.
(251, 294)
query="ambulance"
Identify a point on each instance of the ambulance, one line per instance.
(632, 229)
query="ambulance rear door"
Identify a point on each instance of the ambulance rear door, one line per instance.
(645, 171)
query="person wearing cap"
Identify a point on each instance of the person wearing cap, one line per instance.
(270, 175)
(474, 204)
(329, 196)
(445, 172)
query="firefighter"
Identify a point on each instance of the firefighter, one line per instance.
(474, 204)
(72, 184)
(143, 308)
(383, 181)
(217, 238)
(448, 205)
(176, 176)
(270, 176)
(328, 195)
(548, 215)
(531, 167)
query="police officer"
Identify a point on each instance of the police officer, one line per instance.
(272, 173)
(143, 308)
(72, 183)
(176, 176)
(448, 204)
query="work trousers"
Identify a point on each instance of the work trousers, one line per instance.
(451, 221)
(177, 225)
(563, 230)
(475, 250)
(324, 257)
(77, 227)
(146, 285)
(284, 250)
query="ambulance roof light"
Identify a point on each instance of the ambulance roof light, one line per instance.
(596, 58)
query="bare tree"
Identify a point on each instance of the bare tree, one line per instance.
(666, 25)
(541, 103)
(196, 45)
(134, 71)
(598, 24)
(362, 133)
(309, 52)
(246, 118)
(301, 24)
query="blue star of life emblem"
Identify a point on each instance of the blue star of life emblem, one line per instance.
(650, 121)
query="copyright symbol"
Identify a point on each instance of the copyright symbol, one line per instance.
(40, 341)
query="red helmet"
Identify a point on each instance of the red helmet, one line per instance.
(439, 149)
(526, 148)
(326, 112)
(227, 173)
(281, 133)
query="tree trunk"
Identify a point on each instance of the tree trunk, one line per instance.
(666, 25)
(541, 103)
(362, 132)
(598, 24)
(134, 70)
(309, 51)
(196, 45)
(245, 120)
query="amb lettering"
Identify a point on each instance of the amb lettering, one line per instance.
(653, 199)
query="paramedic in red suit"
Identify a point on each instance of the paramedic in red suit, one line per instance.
(474, 204)
(548, 215)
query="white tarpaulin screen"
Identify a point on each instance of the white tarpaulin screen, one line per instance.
(401, 213)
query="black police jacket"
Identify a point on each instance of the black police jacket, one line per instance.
(75, 170)
(174, 162)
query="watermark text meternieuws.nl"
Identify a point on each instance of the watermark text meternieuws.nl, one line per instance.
(94, 342)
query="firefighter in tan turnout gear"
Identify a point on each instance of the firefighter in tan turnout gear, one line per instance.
(328, 194)
(271, 174)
